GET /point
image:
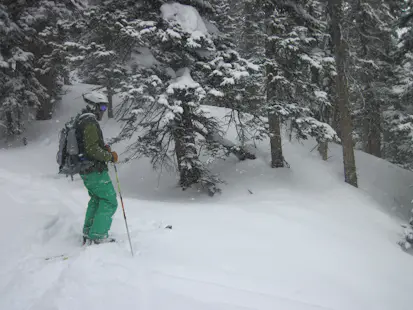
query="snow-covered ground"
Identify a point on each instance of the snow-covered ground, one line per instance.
(291, 239)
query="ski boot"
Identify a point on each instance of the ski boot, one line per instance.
(105, 240)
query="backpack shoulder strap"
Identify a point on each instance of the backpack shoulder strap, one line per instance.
(87, 116)
(84, 119)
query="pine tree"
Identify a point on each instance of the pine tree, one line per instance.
(52, 22)
(45, 26)
(107, 41)
(294, 65)
(398, 117)
(249, 32)
(274, 121)
(346, 128)
(323, 74)
(33, 58)
(190, 62)
(371, 43)
(20, 91)
(243, 100)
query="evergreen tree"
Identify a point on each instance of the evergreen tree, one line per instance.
(243, 101)
(191, 63)
(45, 25)
(249, 32)
(370, 34)
(293, 58)
(20, 91)
(33, 57)
(398, 115)
(107, 40)
(343, 105)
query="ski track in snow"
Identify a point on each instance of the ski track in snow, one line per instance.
(303, 240)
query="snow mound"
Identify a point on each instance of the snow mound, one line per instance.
(183, 81)
(186, 16)
(142, 58)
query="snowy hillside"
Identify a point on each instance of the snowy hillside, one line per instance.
(293, 239)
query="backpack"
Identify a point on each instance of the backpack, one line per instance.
(69, 158)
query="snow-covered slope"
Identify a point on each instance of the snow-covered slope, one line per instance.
(390, 185)
(293, 239)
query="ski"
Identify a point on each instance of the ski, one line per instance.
(52, 258)
(86, 243)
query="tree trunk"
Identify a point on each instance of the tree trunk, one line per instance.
(322, 114)
(372, 132)
(110, 100)
(277, 159)
(336, 117)
(336, 14)
(20, 124)
(66, 78)
(374, 143)
(10, 125)
(249, 39)
(323, 150)
(178, 135)
(45, 111)
(47, 105)
(274, 122)
(184, 138)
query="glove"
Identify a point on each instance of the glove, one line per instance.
(115, 157)
(107, 146)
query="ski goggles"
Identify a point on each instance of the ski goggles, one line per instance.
(103, 107)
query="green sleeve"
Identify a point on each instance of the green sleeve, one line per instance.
(92, 148)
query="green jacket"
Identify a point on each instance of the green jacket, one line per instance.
(91, 143)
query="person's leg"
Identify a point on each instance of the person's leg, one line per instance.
(103, 189)
(92, 207)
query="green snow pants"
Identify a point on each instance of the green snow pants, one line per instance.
(102, 205)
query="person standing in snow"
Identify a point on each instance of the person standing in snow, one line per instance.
(103, 202)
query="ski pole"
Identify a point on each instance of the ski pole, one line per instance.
(123, 207)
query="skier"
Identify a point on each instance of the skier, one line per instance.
(103, 202)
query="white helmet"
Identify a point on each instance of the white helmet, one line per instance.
(95, 98)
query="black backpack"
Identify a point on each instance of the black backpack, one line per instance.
(69, 158)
